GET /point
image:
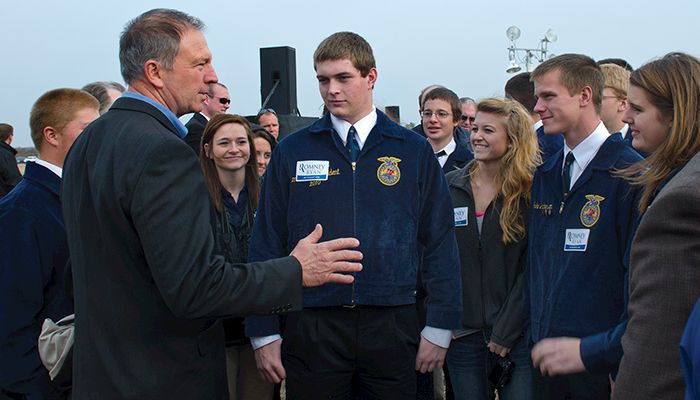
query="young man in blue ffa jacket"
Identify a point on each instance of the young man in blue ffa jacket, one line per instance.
(580, 227)
(33, 245)
(358, 173)
(521, 89)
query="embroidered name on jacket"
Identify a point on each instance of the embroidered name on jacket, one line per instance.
(388, 172)
(545, 209)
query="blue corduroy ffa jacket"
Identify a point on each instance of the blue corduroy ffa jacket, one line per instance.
(34, 253)
(394, 200)
(581, 292)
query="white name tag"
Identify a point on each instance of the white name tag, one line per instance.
(576, 239)
(312, 170)
(461, 216)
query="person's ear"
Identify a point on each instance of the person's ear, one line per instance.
(51, 136)
(153, 73)
(586, 96)
(206, 150)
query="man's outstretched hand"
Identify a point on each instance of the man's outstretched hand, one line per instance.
(326, 262)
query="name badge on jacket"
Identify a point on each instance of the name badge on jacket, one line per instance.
(312, 170)
(461, 216)
(576, 239)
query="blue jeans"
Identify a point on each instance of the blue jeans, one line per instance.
(469, 362)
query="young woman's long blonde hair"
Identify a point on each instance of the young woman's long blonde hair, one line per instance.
(517, 166)
(672, 85)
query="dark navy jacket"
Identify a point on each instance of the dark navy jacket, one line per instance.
(549, 144)
(392, 221)
(458, 158)
(582, 293)
(34, 255)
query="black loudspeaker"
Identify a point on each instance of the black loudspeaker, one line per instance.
(278, 79)
(393, 113)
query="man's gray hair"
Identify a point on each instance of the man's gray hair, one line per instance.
(153, 35)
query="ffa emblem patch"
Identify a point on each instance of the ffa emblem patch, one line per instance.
(388, 172)
(591, 210)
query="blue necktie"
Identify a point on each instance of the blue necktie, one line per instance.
(566, 172)
(352, 145)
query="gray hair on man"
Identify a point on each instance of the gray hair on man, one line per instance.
(153, 35)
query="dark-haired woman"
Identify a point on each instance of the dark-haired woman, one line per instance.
(227, 158)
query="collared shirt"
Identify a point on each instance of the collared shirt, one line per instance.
(449, 149)
(585, 151)
(53, 168)
(624, 131)
(179, 126)
(538, 124)
(363, 127)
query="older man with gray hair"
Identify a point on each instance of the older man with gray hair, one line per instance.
(148, 290)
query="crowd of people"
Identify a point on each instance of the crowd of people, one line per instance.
(539, 245)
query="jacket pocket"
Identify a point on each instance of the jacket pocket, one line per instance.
(211, 339)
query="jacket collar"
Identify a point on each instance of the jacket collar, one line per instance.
(8, 148)
(384, 125)
(132, 104)
(607, 156)
(460, 178)
(42, 176)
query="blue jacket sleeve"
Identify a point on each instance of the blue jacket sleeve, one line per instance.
(602, 352)
(441, 268)
(269, 235)
(23, 275)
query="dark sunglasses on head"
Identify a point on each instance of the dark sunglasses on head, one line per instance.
(265, 111)
(465, 118)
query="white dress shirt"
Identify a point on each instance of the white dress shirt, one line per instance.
(53, 168)
(585, 151)
(449, 149)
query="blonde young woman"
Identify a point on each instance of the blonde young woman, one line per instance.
(490, 197)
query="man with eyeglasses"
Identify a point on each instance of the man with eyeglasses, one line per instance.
(468, 106)
(217, 102)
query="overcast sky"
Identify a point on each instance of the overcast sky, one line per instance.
(459, 44)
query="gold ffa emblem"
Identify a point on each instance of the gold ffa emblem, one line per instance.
(388, 172)
(591, 210)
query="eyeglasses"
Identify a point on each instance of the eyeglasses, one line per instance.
(429, 114)
(222, 100)
(266, 110)
(466, 118)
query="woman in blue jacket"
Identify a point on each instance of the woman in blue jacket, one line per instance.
(228, 160)
(490, 196)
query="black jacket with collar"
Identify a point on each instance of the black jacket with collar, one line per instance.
(9, 173)
(492, 272)
(147, 285)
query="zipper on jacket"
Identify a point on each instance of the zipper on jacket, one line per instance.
(481, 279)
(354, 230)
